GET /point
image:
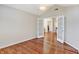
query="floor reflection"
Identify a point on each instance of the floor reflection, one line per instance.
(52, 46)
(46, 45)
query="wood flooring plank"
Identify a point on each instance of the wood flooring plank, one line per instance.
(47, 45)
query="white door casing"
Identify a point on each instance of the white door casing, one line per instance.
(40, 28)
(60, 30)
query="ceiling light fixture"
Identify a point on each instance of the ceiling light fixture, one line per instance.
(43, 8)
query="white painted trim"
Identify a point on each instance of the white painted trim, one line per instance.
(13, 43)
(40, 36)
(60, 40)
(72, 45)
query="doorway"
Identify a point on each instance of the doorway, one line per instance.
(53, 34)
(51, 29)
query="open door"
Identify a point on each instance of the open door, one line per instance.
(60, 29)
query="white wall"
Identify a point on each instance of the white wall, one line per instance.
(16, 26)
(72, 26)
(40, 28)
(71, 15)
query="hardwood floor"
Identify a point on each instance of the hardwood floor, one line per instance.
(34, 46)
(55, 47)
(48, 45)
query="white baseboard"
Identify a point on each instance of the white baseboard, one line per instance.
(72, 45)
(13, 43)
(40, 36)
(60, 40)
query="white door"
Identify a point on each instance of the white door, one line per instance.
(60, 30)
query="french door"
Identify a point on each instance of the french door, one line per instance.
(60, 30)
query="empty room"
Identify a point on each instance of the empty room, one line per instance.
(39, 29)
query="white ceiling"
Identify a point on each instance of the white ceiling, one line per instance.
(34, 8)
(31, 8)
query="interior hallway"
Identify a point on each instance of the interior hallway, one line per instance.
(46, 45)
